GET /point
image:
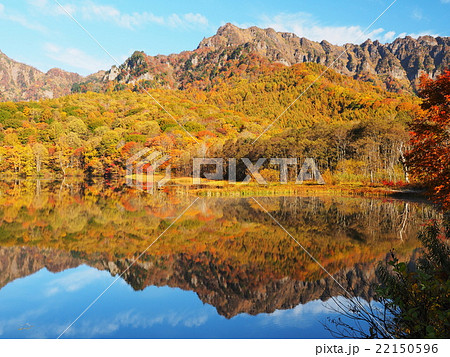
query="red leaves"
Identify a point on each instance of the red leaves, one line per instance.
(429, 158)
(394, 184)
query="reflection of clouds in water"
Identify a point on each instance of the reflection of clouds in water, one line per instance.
(136, 320)
(19, 321)
(46, 322)
(305, 315)
(95, 327)
(74, 280)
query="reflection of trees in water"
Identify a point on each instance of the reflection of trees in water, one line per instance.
(55, 210)
(227, 250)
(357, 218)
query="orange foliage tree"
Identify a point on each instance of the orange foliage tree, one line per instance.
(429, 158)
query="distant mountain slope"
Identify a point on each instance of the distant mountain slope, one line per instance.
(201, 69)
(19, 81)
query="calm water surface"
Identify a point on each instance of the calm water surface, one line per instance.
(224, 269)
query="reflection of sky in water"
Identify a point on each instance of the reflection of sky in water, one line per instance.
(44, 304)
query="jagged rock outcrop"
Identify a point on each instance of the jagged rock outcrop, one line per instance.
(394, 66)
(397, 64)
(243, 290)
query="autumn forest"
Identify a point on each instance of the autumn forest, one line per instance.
(354, 130)
(375, 121)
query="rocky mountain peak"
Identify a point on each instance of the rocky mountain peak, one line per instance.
(395, 66)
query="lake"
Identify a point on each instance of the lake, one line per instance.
(224, 269)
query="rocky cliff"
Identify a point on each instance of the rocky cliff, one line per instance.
(394, 65)
(18, 262)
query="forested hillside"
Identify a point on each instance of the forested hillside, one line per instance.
(349, 126)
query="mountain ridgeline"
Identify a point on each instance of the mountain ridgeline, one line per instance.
(19, 81)
(233, 54)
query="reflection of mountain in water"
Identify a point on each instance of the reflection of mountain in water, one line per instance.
(246, 290)
(243, 292)
(19, 262)
(226, 250)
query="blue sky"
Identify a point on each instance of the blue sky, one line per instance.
(39, 32)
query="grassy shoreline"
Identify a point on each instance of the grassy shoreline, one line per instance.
(294, 190)
(210, 188)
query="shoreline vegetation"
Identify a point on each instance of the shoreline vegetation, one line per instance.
(304, 189)
(216, 188)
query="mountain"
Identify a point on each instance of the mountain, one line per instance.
(233, 54)
(19, 81)
(246, 53)
(401, 61)
(18, 262)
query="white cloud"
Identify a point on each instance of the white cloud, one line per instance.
(416, 35)
(66, 8)
(50, 8)
(91, 11)
(316, 310)
(389, 36)
(107, 13)
(38, 3)
(137, 320)
(186, 20)
(74, 57)
(21, 20)
(305, 25)
(111, 14)
(22, 320)
(195, 19)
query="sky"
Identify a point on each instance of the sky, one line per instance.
(41, 33)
